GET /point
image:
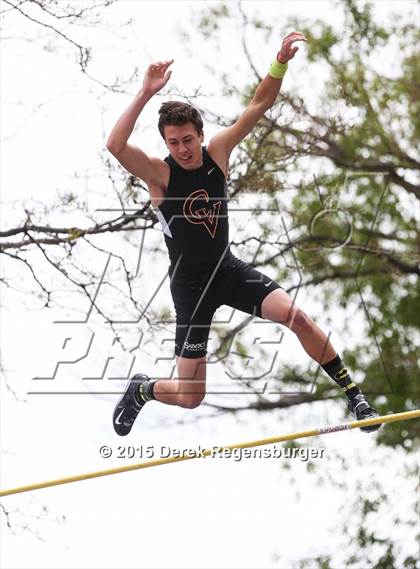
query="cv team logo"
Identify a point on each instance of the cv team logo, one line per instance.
(207, 216)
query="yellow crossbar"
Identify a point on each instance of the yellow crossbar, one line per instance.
(282, 438)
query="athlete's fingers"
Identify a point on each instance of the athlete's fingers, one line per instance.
(291, 34)
(287, 44)
(162, 67)
(157, 64)
(294, 36)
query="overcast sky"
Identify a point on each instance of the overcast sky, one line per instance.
(202, 513)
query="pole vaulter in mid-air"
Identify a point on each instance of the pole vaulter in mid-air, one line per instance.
(189, 194)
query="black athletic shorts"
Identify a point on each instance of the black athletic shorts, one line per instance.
(237, 285)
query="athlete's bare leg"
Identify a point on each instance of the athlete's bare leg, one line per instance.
(278, 306)
(190, 387)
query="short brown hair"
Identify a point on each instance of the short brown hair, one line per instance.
(177, 113)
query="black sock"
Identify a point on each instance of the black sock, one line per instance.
(336, 370)
(146, 390)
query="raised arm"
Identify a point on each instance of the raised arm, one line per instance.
(130, 156)
(264, 98)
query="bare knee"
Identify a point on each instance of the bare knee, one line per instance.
(190, 400)
(301, 322)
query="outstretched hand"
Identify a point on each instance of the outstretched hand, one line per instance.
(157, 75)
(287, 50)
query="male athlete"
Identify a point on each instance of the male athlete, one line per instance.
(188, 192)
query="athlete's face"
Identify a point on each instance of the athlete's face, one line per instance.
(184, 145)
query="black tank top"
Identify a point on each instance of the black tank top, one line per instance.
(194, 218)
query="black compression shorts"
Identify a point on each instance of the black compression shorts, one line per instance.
(237, 285)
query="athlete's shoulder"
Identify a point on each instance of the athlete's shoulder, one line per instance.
(219, 157)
